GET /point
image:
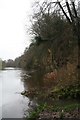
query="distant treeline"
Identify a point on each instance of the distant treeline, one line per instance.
(8, 63)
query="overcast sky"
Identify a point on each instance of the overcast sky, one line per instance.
(14, 15)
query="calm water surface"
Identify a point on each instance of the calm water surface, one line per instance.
(12, 103)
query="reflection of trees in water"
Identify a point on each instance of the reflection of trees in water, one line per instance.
(24, 78)
(36, 81)
(32, 80)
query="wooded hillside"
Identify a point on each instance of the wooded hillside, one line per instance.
(55, 36)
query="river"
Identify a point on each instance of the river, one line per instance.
(12, 103)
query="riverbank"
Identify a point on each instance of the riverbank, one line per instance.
(55, 102)
(56, 111)
(47, 86)
(45, 112)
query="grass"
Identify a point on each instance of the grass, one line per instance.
(68, 92)
(35, 113)
(55, 108)
(66, 108)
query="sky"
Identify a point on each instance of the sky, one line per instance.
(14, 16)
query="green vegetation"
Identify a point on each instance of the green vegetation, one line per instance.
(37, 111)
(66, 108)
(56, 108)
(68, 92)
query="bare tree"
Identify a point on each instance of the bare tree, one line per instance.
(73, 19)
(73, 15)
(47, 23)
(45, 13)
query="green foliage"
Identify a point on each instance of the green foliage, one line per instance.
(35, 113)
(62, 109)
(66, 91)
(69, 92)
(66, 107)
(61, 115)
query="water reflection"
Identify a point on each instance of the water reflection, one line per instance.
(34, 81)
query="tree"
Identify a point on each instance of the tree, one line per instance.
(73, 18)
(47, 24)
(46, 12)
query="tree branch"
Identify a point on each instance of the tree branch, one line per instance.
(64, 12)
(69, 11)
(75, 12)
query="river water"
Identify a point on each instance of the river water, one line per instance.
(12, 103)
